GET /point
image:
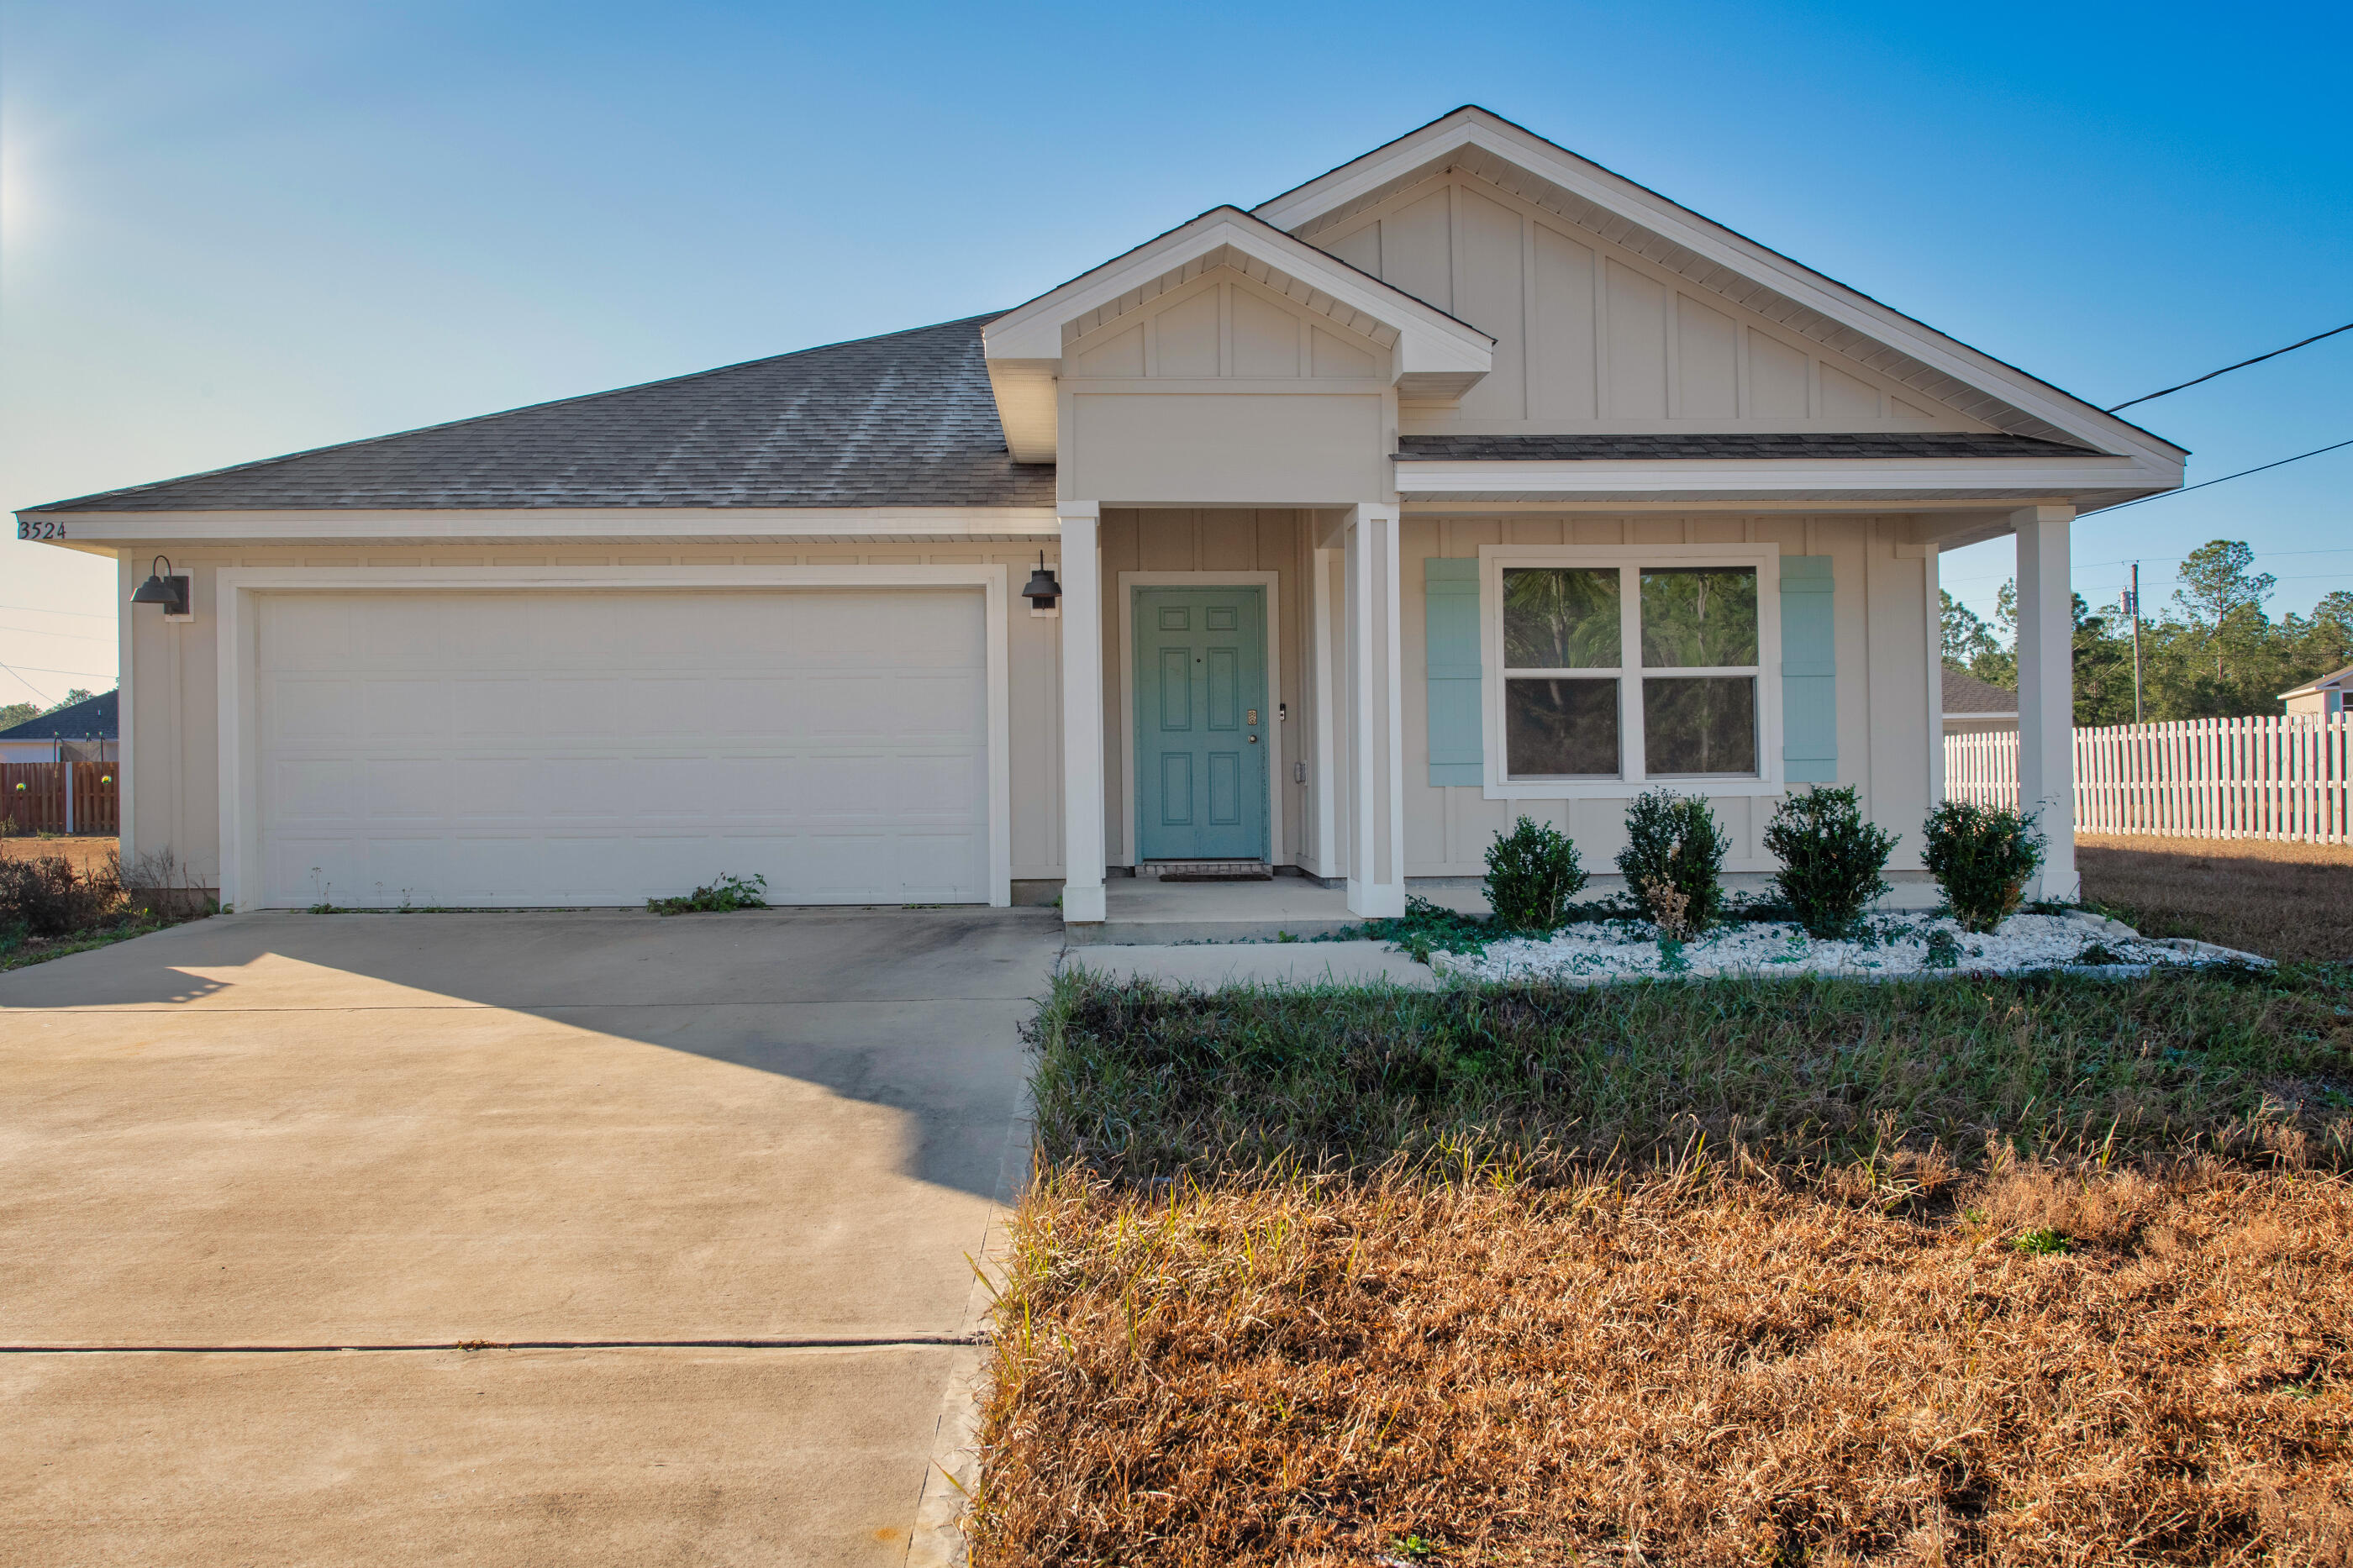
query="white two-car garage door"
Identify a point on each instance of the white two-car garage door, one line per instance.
(556, 747)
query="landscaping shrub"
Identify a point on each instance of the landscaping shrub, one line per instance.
(1673, 861)
(46, 897)
(1982, 857)
(1532, 873)
(1830, 858)
(718, 896)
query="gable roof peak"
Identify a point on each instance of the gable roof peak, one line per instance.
(1718, 259)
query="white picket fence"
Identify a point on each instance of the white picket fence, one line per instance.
(2204, 778)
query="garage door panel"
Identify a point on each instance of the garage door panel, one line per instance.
(310, 708)
(575, 708)
(488, 791)
(482, 708)
(601, 748)
(924, 704)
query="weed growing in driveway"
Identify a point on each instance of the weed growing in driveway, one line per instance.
(720, 895)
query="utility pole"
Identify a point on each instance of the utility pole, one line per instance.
(2132, 607)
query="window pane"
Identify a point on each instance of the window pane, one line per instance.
(1560, 727)
(1698, 616)
(1561, 619)
(1703, 725)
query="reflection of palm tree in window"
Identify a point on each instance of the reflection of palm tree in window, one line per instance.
(1561, 619)
(1698, 616)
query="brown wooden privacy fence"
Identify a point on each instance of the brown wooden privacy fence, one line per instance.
(2283, 778)
(61, 798)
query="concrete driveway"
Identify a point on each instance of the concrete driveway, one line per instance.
(506, 1238)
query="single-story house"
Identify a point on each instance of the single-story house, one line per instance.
(2323, 698)
(1974, 707)
(1467, 480)
(78, 733)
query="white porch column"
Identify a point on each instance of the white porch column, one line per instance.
(2046, 689)
(1376, 715)
(1082, 711)
(1323, 564)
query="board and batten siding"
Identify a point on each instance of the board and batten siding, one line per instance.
(1888, 744)
(1591, 336)
(173, 768)
(1221, 389)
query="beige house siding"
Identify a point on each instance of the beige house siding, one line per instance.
(1222, 390)
(1884, 724)
(1592, 336)
(173, 714)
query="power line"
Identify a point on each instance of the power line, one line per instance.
(2226, 478)
(46, 610)
(37, 631)
(2227, 369)
(44, 670)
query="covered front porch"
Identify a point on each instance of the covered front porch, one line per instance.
(1360, 758)
(1283, 742)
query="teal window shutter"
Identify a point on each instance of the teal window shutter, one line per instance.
(1808, 672)
(1451, 643)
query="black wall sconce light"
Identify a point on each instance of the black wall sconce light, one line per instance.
(162, 587)
(1043, 591)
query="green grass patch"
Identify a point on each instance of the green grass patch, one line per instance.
(18, 950)
(1143, 1082)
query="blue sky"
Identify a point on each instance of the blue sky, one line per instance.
(233, 230)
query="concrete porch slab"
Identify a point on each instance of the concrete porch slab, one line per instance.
(1210, 965)
(1140, 912)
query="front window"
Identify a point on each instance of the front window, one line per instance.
(1629, 672)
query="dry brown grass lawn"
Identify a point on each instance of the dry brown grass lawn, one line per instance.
(1691, 1369)
(2292, 901)
(89, 852)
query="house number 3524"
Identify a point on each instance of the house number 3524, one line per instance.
(38, 528)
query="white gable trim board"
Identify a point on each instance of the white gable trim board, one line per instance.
(246, 880)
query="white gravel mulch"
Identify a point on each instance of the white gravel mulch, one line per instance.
(1897, 945)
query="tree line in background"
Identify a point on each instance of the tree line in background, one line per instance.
(2213, 653)
(15, 713)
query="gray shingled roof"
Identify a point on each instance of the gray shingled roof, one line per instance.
(906, 419)
(1728, 444)
(1965, 694)
(91, 718)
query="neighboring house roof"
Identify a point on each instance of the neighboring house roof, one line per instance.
(1966, 697)
(2340, 681)
(93, 718)
(905, 419)
(1728, 443)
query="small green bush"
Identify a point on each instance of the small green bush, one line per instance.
(1830, 858)
(46, 897)
(1673, 861)
(1982, 857)
(723, 893)
(1532, 873)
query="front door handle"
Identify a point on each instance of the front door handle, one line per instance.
(1253, 740)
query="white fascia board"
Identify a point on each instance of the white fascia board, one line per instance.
(1740, 477)
(1429, 339)
(645, 523)
(1705, 237)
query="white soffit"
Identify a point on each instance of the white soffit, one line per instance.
(1714, 257)
(1433, 354)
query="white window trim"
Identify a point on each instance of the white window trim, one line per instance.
(1763, 559)
(240, 824)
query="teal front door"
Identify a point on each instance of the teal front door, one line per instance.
(1201, 730)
